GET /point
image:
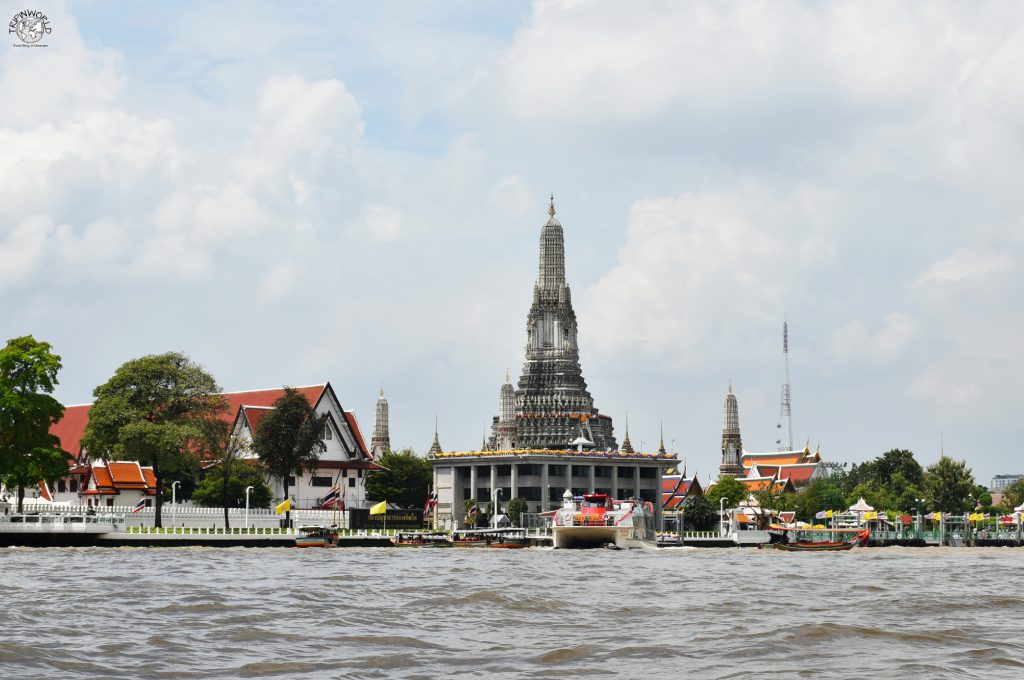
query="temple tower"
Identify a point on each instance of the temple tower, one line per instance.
(552, 406)
(732, 445)
(505, 431)
(435, 447)
(380, 442)
(627, 446)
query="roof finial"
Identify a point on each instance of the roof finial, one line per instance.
(381, 391)
(730, 385)
(507, 379)
(551, 208)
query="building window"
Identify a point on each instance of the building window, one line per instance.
(580, 470)
(291, 480)
(606, 492)
(149, 502)
(483, 495)
(464, 472)
(529, 469)
(648, 494)
(602, 471)
(556, 471)
(327, 433)
(110, 502)
(74, 484)
(555, 494)
(351, 482)
(530, 493)
(504, 470)
(626, 473)
(61, 486)
(648, 472)
(321, 481)
(359, 473)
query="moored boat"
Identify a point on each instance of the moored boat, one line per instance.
(317, 537)
(596, 521)
(421, 539)
(842, 539)
(490, 538)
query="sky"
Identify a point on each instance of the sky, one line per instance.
(354, 192)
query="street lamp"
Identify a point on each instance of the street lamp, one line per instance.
(919, 508)
(247, 490)
(497, 506)
(174, 501)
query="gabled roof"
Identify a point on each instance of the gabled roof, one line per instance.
(126, 475)
(70, 428)
(675, 489)
(350, 418)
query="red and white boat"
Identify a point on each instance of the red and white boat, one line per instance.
(598, 521)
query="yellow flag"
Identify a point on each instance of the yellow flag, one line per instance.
(828, 513)
(937, 516)
(284, 507)
(870, 515)
(379, 508)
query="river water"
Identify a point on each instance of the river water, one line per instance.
(536, 613)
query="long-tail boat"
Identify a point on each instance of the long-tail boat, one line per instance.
(843, 539)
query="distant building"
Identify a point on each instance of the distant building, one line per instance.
(732, 443)
(1000, 482)
(540, 477)
(344, 463)
(676, 487)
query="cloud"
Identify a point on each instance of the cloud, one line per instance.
(379, 224)
(967, 264)
(22, 249)
(888, 342)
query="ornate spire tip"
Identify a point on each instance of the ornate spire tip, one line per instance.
(551, 207)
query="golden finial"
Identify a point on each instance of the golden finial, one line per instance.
(381, 391)
(551, 208)
(507, 378)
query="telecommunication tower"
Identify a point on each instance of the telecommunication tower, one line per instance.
(785, 406)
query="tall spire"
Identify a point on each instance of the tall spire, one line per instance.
(732, 445)
(551, 275)
(627, 447)
(435, 448)
(661, 441)
(551, 208)
(380, 441)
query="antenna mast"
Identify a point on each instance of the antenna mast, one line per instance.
(785, 406)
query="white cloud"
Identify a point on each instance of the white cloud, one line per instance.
(22, 248)
(968, 264)
(379, 224)
(890, 341)
(279, 282)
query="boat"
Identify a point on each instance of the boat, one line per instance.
(843, 539)
(490, 538)
(421, 539)
(596, 520)
(314, 536)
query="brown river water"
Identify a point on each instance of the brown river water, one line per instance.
(536, 613)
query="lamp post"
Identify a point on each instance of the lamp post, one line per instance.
(721, 516)
(247, 490)
(174, 501)
(919, 508)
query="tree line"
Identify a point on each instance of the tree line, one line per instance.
(894, 481)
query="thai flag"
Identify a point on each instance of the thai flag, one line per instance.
(472, 512)
(141, 505)
(331, 499)
(431, 502)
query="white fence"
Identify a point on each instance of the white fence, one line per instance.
(190, 516)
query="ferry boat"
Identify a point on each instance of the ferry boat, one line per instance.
(421, 539)
(317, 537)
(597, 521)
(490, 538)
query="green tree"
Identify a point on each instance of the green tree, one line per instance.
(154, 410)
(1013, 494)
(225, 487)
(770, 499)
(948, 484)
(729, 488)
(698, 513)
(405, 482)
(516, 508)
(28, 452)
(226, 448)
(287, 439)
(821, 494)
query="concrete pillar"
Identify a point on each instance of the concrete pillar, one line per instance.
(473, 481)
(494, 487)
(615, 482)
(636, 481)
(545, 492)
(591, 477)
(514, 491)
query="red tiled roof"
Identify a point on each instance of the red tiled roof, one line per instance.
(102, 476)
(70, 428)
(798, 474)
(351, 419)
(126, 475)
(254, 414)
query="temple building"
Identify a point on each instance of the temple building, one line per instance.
(782, 470)
(380, 441)
(551, 406)
(344, 463)
(547, 437)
